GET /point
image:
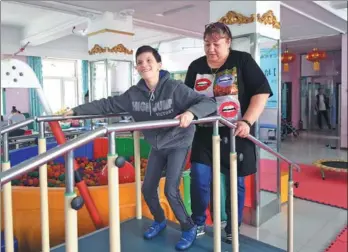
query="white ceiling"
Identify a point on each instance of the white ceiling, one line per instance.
(40, 19)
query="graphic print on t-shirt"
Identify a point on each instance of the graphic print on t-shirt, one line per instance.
(224, 87)
(204, 84)
(226, 82)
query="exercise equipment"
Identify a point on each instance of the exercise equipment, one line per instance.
(17, 74)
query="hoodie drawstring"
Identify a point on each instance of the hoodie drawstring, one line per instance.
(152, 98)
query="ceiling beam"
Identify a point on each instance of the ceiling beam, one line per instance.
(90, 13)
(311, 17)
(35, 34)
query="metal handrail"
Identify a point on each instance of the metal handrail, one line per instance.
(32, 163)
(51, 118)
(262, 145)
(18, 125)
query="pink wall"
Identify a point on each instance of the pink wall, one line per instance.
(331, 66)
(293, 76)
(328, 67)
(344, 90)
(18, 97)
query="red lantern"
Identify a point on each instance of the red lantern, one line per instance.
(286, 59)
(315, 56)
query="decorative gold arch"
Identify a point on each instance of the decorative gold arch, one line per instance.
(268, 18)
(120, 48)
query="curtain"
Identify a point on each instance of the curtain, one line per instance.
(84, 77)
(3, 100)
(35, 105)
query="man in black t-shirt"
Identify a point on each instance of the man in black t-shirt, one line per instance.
(241, 90)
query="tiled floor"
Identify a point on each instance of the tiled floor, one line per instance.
(315, 225)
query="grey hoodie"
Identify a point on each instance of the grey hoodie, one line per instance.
(169, 99)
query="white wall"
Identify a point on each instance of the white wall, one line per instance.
(177, 55)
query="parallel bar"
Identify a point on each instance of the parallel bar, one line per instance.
(262, 145)
(8, 210)
(5, 151)
(114, 209)
(45, 232)
(69, 172)
(290, 245)
(41, 130)
(71, 227)
(112, 143)
(32, 163)
(156, 124)
(234, 193)
(16, 126)
(137, 164)
(216, 187)
(51, 118)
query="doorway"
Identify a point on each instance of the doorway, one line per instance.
(309, 91)
(287, 101)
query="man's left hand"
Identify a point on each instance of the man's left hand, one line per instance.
(242, 129)
(185, 119)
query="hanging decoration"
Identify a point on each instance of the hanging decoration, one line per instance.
(287, 57)
(316, 56)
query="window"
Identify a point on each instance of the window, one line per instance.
(60, 83)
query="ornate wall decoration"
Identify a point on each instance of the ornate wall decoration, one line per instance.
(269, 18)
(96, 50)
(233, 17)
(120, 48)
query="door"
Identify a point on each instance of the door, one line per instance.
(325, 83)
(286, 101)
(312, 100)
(305, 81)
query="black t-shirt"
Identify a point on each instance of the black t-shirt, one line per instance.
(232, 86)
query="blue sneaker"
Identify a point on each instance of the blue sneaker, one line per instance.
(155, 229)
(187, 239)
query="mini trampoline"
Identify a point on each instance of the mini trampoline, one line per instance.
(331, 165)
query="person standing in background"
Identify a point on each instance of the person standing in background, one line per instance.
(322, 107)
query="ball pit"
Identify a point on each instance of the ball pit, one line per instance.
(93, 171)
(26, 194)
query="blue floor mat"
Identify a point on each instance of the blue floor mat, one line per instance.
(132, 240)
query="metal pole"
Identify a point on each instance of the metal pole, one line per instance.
(234, 192)
(216, 187)
(71, 233)
(279, 122)
(137, 164)
(7, 191)
(5, 148)
(45, 234)
(114, 210)
(256, 206)
(290, 212)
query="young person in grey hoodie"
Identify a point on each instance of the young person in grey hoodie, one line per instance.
(158, 97)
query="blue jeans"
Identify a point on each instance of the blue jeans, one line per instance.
(201, 178)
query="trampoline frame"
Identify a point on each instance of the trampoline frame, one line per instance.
(322, 167)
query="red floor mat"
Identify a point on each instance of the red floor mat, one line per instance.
(341, 242)
(331, 191)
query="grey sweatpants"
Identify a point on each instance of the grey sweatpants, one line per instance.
(173, 162)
